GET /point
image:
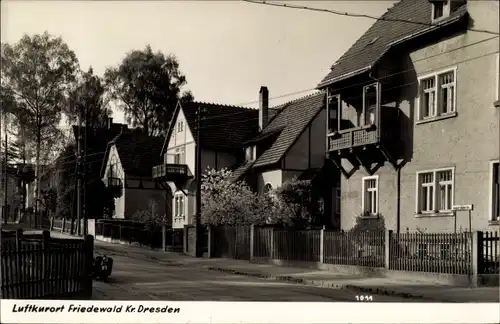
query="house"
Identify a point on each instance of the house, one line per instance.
(223, 129)
(126, 172)
(97, 140)
(418, 131)
(291, 144)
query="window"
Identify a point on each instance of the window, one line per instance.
(268, 189)
(370, 104)
(180, 126)
(494, 190)
(180, 155)
(437, 95)
(435, 190)
(179, 207)
(334, 113)
(337, 200)
(250, 153)
(370, 195)
(440, 9)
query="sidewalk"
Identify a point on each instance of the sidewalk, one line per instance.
(320, 278)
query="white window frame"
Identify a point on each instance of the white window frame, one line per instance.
(365, 190)
(179, 206)
(490, 190)
(180, 155)
(438, 94)
(435, 194)
(446, 10)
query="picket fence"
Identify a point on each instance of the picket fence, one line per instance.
(455, 253)
(37, 266)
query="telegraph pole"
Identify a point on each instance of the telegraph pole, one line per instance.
(199, 246)
(79, 176)
(5, 177)
(85, 215)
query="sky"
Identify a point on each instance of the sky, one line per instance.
(226, 49)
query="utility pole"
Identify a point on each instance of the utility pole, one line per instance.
(5, 172)
(85, 214)
(199, 246)
(79, 175)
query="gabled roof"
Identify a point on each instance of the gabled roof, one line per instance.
(223, 127)
(138, 153)
(291, 121)
(384, 34)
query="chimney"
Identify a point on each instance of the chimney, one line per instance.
(263, 107)
(110, 122)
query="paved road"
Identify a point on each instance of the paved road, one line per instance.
(142, 279)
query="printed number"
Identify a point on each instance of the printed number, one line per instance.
(364, 298)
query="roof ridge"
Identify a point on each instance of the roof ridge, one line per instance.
(222, 105)
(280, 106)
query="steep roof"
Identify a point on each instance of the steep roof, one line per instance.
(291, 121)
(138, 153)
(383, 34)
(223, 127)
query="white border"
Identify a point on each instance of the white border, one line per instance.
(417, 188)
(254, 312)
(435, 74)
(490, 189)
(374, 177)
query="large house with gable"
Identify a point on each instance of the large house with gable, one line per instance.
(291, 144)
(418, 131)
(223, 129)
(126, 172)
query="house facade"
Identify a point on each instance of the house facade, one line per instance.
(418, 131)
(223, 129)
(126, 172)
(291, 144)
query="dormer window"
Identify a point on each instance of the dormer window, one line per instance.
(251, 153)
(440, 9)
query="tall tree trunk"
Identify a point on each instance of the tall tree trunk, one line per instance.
(37, 170)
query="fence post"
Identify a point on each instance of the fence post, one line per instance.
(209, 243)
(322, 245)
(252, 241)
(89, 264)
(271, 253)
(19, 238)
(476, 256)
(387, 246)
(164, 237)
(45, 262)
(185, 240)
(63, 225)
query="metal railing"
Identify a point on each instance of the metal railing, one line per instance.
(363, 248)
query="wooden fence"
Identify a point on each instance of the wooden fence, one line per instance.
(435, 253)
(41, 267)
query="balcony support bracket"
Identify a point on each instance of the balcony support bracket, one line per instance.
(338, 164)
(177, 186)
(388, 156)
(369, 170)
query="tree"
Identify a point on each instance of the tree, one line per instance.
(232, 203)
(147, 87)
(150, 217)
(295, 202)
(88, 100)
(38, 72)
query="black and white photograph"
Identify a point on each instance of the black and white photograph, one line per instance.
(257, 151)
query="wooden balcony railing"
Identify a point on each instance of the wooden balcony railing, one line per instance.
(170, 170)
(354, 137)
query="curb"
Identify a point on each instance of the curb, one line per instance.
(325, 284)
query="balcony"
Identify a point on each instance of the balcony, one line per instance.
(360, 124)
(171, 172)
(354, 137)
(114, 185)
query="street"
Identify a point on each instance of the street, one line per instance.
(145, 279)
